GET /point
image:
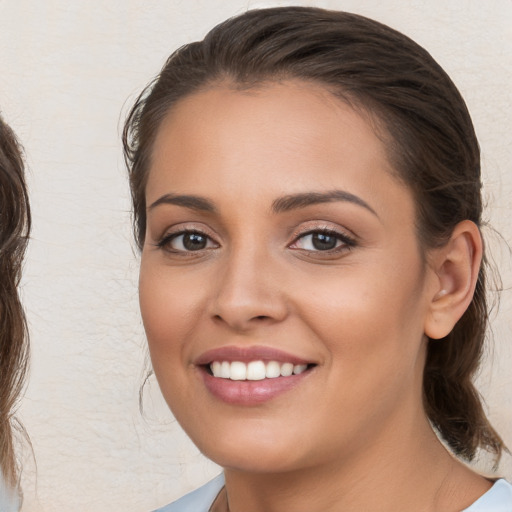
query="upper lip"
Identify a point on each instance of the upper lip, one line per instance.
(248, 354)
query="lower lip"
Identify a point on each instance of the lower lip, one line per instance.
(250, 392)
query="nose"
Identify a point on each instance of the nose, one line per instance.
(247, 292)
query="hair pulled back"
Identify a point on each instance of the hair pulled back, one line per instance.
(422, 119)
(14, 231)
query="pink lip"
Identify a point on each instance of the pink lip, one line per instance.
(248, 354)
(249, 393)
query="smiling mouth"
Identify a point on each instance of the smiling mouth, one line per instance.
(254, 370)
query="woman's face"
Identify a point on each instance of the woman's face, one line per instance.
(279, 241)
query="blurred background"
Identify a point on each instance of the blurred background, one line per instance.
(68, 73)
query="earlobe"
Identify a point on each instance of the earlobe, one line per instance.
(456, 266)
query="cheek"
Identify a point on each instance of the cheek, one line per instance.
(367, 320)
(374, 338)
(168, 307)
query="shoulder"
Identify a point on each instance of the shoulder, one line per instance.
(199, 500)
(497, 499)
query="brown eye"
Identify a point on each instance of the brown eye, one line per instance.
(187, 241)
(194, 241)
(323, 241)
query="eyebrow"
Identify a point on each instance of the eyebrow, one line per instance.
(280, 205)
(296, 201)
(188, 201)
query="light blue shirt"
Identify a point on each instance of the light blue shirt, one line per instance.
(497, 499)
(9, 499)
(199, 500)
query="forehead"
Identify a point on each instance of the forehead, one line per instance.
(291, 135)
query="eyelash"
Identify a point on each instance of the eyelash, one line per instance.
(347, 242)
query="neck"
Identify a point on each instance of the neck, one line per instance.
(400, 472)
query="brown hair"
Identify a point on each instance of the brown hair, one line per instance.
(427, 130)
(14, 231)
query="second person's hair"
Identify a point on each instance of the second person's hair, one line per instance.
(14, 231)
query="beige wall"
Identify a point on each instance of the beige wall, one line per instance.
(67, 69)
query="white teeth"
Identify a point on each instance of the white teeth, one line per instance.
(299, 368)
(286, 369)
(255, 370)
(225, 370)
(273, 370)
(238, 371)
(216, 368)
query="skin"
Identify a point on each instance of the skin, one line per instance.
(359, 312)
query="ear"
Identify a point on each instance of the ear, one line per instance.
(455, 266)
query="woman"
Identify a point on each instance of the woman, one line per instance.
(306, 190)
(14, 231)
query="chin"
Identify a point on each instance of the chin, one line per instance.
(254, 461)
(252, 451)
